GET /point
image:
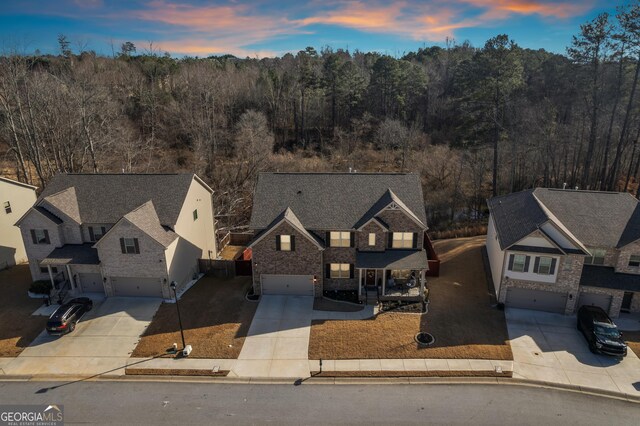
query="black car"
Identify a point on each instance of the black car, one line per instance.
(65, 318)
(601, 333)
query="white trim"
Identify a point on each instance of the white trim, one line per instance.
(95, 245)
(18, 183)
(377, 221)
(544, 235)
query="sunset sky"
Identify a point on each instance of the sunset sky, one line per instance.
(268, 28)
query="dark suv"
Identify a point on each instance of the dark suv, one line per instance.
(64, 319)
(601, 333)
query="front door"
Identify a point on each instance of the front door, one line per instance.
(370, 278)
(626, 301)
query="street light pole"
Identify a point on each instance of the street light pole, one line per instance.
(185, 350)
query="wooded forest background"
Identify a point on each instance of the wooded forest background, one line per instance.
(472, 121)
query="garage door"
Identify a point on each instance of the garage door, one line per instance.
(592, 299)
(91, 283)
(301, 285)
(129, 286)
(536, 299)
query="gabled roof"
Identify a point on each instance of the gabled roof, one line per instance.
(145, 218)
(332, 201)
(387, 199)
(287, 216)
(105, 198)
(67, 202)
(15, 182)
(44, 212)
(393, 259)
(590, 218)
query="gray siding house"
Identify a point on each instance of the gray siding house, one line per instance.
(317, 232)
(16, 198)
(119, 234)
(556, 250)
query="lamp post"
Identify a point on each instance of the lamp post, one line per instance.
(186, 349)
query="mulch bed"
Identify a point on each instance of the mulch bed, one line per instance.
(173, 372)
(633, 340)
(322, 304)
(18, 328)
(488, 373)
(215, 316)
(460, 317)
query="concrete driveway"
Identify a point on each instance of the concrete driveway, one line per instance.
(549, 347)
(102, 341)
(277, 344)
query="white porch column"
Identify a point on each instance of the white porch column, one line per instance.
(71, 280)
(422, 279)
(360, 282)
(384, 280)
(53, 284)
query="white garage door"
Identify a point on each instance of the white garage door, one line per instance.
(130, 286)
(301, 285)
(91, 283)
(592, 299)
(540, 300)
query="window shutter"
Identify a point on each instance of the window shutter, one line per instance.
(536, 265)
(352, 243)
(92, 236)
(327, 239)
(415, 240)
(510, 267)
(46, 237)
(135, 242)
(293, 242)
(33, 236)
(351, 270)
(553, 266)
(104, 230)
(328, 270)
(277, 242)
(527, 260)
(390, 240)
(124, 250)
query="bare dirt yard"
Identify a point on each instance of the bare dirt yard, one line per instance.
(18, 327)
(215, 317)
(460, 317)
(633, 340)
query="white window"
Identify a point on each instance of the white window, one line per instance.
(130, 245)
(634, 260)
(339, 270)
(544, 266)
(596, 258)
(96, 232)
(372, 239)
(285, 242)
(519, 263)
(40, 236)
(339, 239)
(7, 207)
(402, 240)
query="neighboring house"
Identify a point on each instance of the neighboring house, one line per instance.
(120, 234)
(339, 231)
(16, 198)
(556, 250)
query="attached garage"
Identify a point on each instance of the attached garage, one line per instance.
(91, 283)
(595, 299)
(539, 300)
(299, 285)
(141, 287)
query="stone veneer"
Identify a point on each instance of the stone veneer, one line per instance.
(306, 259)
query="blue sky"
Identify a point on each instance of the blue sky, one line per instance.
(268, 28)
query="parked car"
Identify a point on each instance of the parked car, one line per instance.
(601, 333)
(65, 318)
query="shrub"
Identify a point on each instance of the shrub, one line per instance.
(41, 287)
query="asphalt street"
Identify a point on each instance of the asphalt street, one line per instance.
(174, 403)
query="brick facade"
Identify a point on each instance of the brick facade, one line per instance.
(398, 221)
(622, 261)
(362, 237)
(616, 298)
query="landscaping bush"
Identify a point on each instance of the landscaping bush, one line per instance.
(397, 306)
(41, 287)
(342, 295)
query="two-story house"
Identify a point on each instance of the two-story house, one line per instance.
(119, 234)
(16, 198)
(556, 250)
(339, 231)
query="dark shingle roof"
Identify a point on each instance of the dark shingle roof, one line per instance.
(392, 259)
(105, 198)
(595, 218)
(324, 201)
(72, 254)
(605, 277)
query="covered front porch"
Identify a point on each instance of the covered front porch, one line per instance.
(392, 275)
(73, 269)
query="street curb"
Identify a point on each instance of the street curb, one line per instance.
(336, 381)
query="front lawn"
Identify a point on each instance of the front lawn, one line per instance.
(18, 327)
(460, 317)
(633, 340)
(215, 317)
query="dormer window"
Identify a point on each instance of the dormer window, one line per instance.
(372, 239)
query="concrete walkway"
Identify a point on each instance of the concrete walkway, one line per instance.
(548, 347)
